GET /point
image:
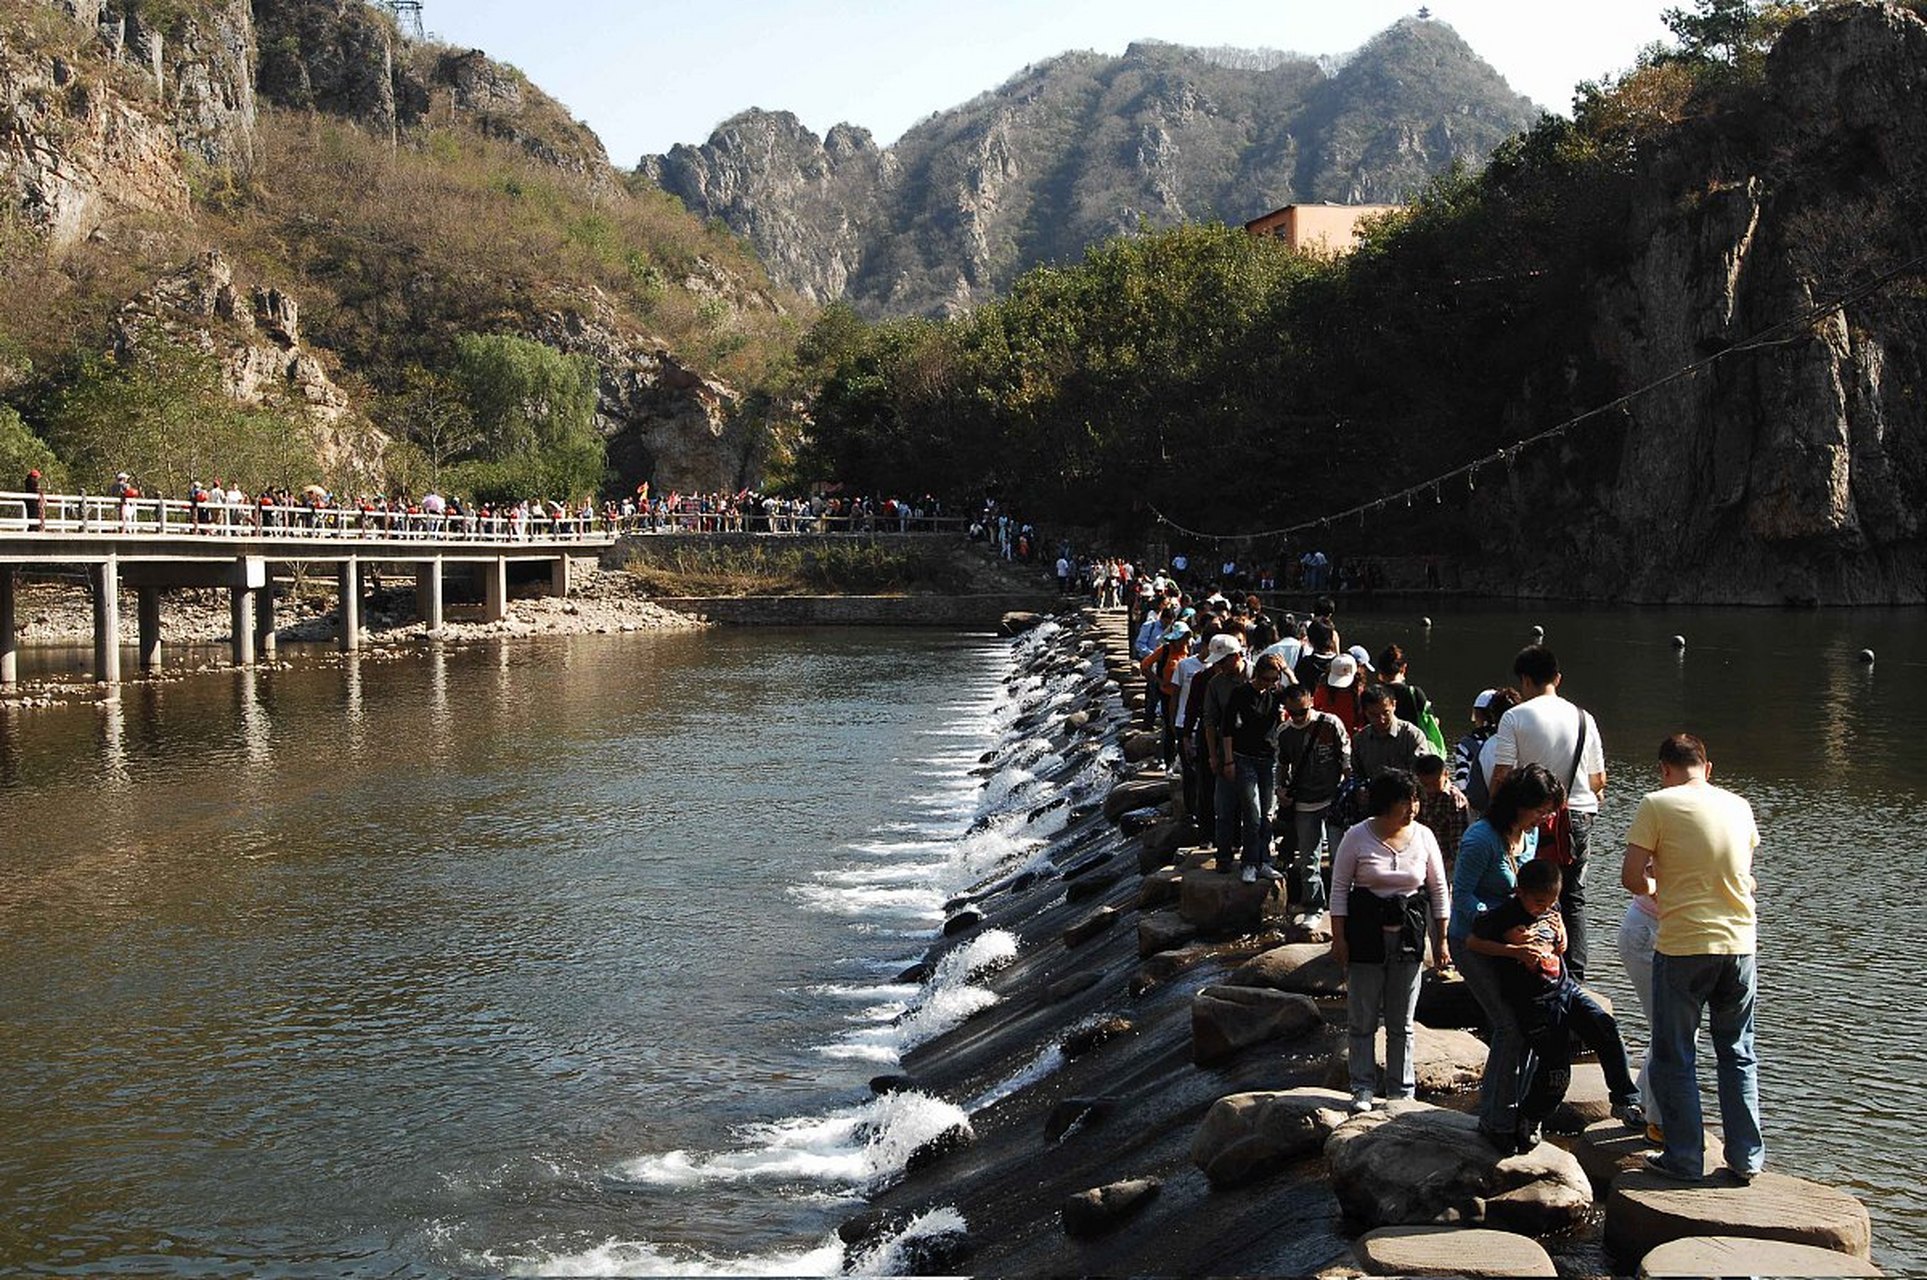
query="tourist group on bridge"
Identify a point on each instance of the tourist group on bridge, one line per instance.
(1322, 765)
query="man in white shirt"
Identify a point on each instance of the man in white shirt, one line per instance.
(1547, 730)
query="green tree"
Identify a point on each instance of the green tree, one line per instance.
(160, 411)
(22, 451)
(533, 409)
(431, 414)
(1732, 34)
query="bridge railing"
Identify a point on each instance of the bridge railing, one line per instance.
(685, 522)
(27, 513)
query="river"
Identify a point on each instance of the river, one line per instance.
(576, 955)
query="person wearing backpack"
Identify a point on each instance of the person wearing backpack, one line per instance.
(1472, 757)
(1545, 729)
(1408, 699)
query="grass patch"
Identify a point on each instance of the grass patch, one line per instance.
(810, 569)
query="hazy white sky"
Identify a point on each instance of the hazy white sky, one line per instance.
(647, 74)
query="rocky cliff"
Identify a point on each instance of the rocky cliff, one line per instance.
(1793, 468)
(1081, 148)
(162, 158)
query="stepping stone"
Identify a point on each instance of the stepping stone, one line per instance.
(1223, 905)
(1158, 888)
(1090, 926)
(1442, 1061)
(1142, 744)
(1158, 847)
(1736, 1256)
(1608, 1149)
(1101, 1209)
(1304, 967)
(1446, 1000)
(1227, 1019)
(1448, 1251)
(1647, 1210)
(1138, 794)
(1587, 1102)
(1162, 931)
(1247, 1136)
(1413, 1165)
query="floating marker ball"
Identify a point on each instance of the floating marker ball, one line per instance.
(1679, 642)
(1425, 622)
(1539, 632)
(1866, 656)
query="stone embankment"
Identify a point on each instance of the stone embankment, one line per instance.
(1152, 1085)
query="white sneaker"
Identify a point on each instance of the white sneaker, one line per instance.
(1361, 1102)
(1270, 872)
(1249, 875)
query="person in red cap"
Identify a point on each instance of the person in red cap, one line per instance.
(38, 488)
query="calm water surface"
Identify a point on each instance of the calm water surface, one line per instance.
(575, 955)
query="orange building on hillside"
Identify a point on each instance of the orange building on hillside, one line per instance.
(1317, 228)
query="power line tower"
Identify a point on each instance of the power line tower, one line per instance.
(407, 15)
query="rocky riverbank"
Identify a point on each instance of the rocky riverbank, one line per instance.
(1146, 1083)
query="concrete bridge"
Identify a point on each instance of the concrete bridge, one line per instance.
(151, 543)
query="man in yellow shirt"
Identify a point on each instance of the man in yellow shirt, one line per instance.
(1691, 847)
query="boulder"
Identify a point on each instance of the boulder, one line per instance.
(1451, 1251)
(1247, 1136)
(1224, 906)
(1092, 886)
(1415, 1164)
(1139, 793)
(1075, 984)
(1739, 1256)
(1162, 931)
(1073, 1113)
(1090, 926)
(964, 921)
(915, 975)
(1101, 1209)
(1139, 821)
(1166, 965)
(1142, 744)
(1086, 1038)
(955, 1138)
(1159, 887)
(1227, 1019)
(1077, 719)
(1304, 967)
(1314, 929)
(1647, 1210)
(1446, 1000)
(1084, 866)
(1158, 847)
(891, 1084)
(1017, 622)
(1442, 1061)
(1587, 1101)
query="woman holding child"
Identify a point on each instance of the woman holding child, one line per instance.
(1388, 892)
(1483, 879)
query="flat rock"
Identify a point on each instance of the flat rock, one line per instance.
(1314, 929)
(1159, 887)
(1086, 1038)
(1090, 926)
(1166, 965)
(1092, 886)
(1223, 905)
(1018, 621)
(1304, 967)
(1451, 1251)
(1073, 985)
(1587, 1101)
(1646, 1210)
(1738, 1256)
(1162, 931)
(1446, 1000)
(1142, 744)
(1443, 1061)
(1159, 846)
(1247, 1136)
(1141, 793)
(1415, 1165)
(1227, 1019)
(1101, 1209)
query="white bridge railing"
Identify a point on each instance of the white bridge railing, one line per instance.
(31, 514)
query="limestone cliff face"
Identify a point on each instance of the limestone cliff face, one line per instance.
(1795, 470)
(1081, 148)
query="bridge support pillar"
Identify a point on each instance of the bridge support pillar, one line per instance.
(148, 605)
(428, 594)
(241, 633)
(264, 622)
(106, 577)
(495, 589)
(9, 642)
(348, 574)
(559, 577)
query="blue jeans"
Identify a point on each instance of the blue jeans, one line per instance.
(1499, 1086)
(1309, 859)
(1725, 987)
(1257, 775)
(1388, 990)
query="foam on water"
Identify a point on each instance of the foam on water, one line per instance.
(640, 1258)
(862, 1147)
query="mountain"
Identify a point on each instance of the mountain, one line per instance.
(325, 209)
(1083, 147)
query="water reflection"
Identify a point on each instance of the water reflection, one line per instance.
(353, 715)
(112, 741)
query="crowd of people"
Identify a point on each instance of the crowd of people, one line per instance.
(751, 511)
(1324, 766)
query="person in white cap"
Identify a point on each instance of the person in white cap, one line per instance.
(1225, 661)
(1472, 757)
(1337, 694)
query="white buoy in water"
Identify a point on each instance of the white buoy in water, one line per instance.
(1425, 622)
(1866, 656)
(1679, 642)
(1538, 633)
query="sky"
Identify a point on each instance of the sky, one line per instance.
(647, 74)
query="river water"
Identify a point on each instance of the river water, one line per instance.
(575, 955)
